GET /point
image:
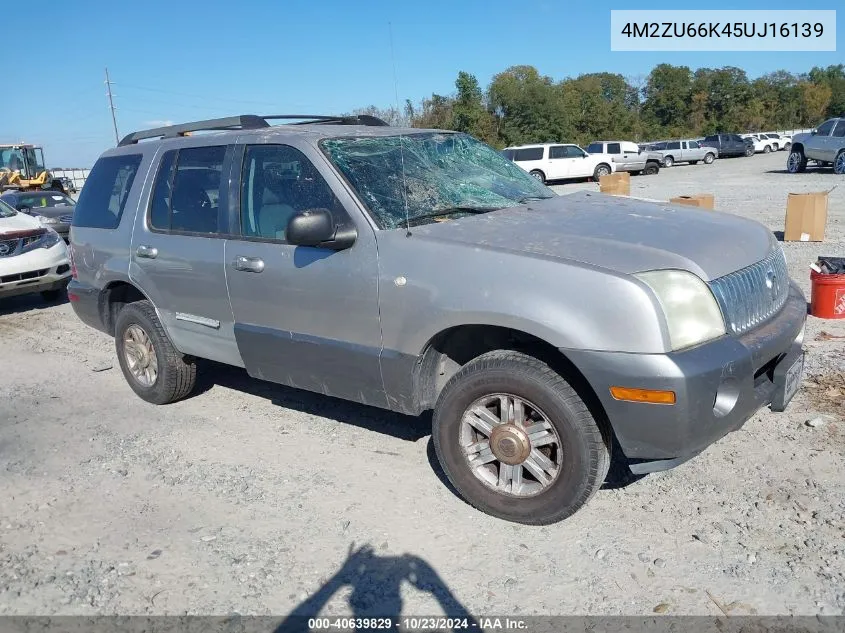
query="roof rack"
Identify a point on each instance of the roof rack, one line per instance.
(248, 122)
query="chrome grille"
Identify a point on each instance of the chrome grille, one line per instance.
(8, 247)
(67, 219)
(754, 294)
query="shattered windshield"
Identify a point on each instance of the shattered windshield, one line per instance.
(435, 174)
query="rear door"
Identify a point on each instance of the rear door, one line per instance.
(822, 142)
(837, 139)
(177, 250)
(561, 164)
(304, 316)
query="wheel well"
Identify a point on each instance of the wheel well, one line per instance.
(668, 156)
(797, 147)
(538, 171)
(112, 299)
(600, 164)
(451, 349)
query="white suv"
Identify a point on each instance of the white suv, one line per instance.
(33, 258)
(558, 161)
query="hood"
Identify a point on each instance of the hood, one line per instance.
(18, 222)
(51, 212)
(625, 235)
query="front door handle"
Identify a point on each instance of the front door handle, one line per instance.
(249, 264)
(147, 252)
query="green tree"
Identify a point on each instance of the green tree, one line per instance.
(666, 98)
(815, 99)
(469, 113)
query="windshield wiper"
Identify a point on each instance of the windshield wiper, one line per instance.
(533, 199)
(451, 210)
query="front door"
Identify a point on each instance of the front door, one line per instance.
(177, 251)
(561, 164)
(304, 316)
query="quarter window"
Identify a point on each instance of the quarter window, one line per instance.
(673, 145)
(104, 195)
(529, 153)
(278, 182)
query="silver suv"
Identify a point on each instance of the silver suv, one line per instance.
(825, 145)
(416, 269)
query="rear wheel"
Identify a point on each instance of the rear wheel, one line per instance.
(668, 161)
(796, 162)
(154, 369)
(539, 175)
(787, 146)
(839, 163)
(749, 151)
(767, 149)
(601, 170)
(709, 158)
(517, 441)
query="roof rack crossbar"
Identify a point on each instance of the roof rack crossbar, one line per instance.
(248, 122)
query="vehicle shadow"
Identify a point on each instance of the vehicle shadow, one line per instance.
(403, 427)
(28, 303)
(377, 584)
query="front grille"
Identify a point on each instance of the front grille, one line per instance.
(33, 274)
(8, 247)
(66, 219)
(750, 296)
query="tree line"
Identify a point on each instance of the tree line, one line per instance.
(522, 106)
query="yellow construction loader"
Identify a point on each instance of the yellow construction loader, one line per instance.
(22, 168)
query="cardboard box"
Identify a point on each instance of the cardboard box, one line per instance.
(618, 184)
(806, 217)
(701, 200)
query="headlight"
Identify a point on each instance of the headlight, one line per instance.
(48, 239)
(692, 314)
(45, 220)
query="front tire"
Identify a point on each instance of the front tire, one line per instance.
(154, 369)
(517, 441)
(601, 170)
(796, 162)
(709, 158)
(651, 169)
(539, 175)
(839, 163)
(787, 147)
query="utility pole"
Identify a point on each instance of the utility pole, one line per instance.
(111, 107)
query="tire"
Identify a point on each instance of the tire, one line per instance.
(767, 149)
(709, 157)
(839, 163)
(582, 467)
(651, 169)
(693, 162)
(50, 295)
(796, 162)
(668, 161)
(787, 147)
(539, 175)
(749, 151)
(602, 169)
(175, 376)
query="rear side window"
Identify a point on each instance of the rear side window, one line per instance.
(614, 148)
(673, 145)
(508, 153)
(106, 189)
(529, 153)
(839, 132)
(186, 197)
(595, 148)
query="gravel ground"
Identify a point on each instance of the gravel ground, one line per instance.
(255, 498)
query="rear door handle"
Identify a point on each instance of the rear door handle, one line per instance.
(249, 264)
(147, 252)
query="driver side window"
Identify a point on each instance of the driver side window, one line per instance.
(278, 182)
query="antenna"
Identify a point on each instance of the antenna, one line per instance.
(111, 107)
(401, 146)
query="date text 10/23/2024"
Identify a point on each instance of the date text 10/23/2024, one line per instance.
(725, 30)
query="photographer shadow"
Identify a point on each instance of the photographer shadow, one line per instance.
(376, 583)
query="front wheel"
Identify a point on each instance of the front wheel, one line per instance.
(839, 163)
(651, 169)
(709, 158)
(154, 369)
(539, 175)
(517, 441)
(796, 162)
(601, 170)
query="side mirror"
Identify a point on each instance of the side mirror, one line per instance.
(316, 227)
(24, 208)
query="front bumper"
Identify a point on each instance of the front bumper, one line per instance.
(718, 386)
(35, 271)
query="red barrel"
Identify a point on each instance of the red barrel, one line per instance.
(828, 296)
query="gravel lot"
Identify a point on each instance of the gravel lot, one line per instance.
(255, 498)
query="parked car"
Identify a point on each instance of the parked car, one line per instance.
(51, 208)
(729, 144)
(761, 143)
(559, 161)
(685, 151)
(33, 258)
(541, 329)
(627, 156)
(825, 145)
(778, 142)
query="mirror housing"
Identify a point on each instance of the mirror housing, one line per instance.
(316, 227)
(25, 208)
